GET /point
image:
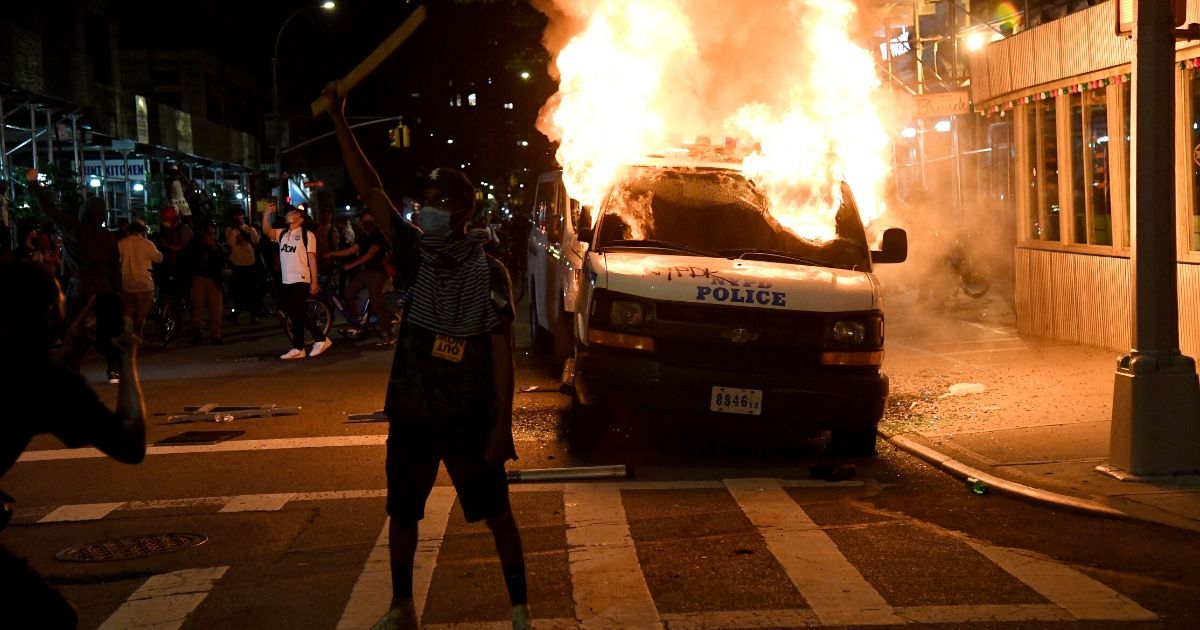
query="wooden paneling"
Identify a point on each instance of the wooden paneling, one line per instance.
(1047, 51)
(1074, 44)
(1107, 49)
(1089, 299)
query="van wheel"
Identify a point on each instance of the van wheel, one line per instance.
(539, 337)
(855, 440)
(586, 426)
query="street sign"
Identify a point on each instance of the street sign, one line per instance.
(316, 184)
(1127, 14)
(940, 104)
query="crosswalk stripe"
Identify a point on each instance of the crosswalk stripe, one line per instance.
(164, 601)
(84, 512)
(836, 591)
(608, 585)
(795, 618)
(1075, 592)
(372, 593)
(984, 613)
(258, 502)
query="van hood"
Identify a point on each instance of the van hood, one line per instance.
(750, 283)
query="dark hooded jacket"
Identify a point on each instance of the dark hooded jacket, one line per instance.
(91, 259)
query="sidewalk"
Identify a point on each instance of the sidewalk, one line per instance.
(1039, 425)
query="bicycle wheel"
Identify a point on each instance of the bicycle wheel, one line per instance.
(158, 327)
(394, 302)
(319, 311)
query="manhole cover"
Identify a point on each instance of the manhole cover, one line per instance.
(130, 547)
(199, 437)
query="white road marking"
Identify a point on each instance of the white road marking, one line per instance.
(608, 585)
(274, 502)
(1075, 592)
(372, 594)
(231, 446)
(164, 601)
(258, 502)
(832, 586)
(795, 618)
(82, 512)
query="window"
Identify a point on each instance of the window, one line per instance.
(1127, 131)
(1193, 80)
(1042, 168)
(1090, 190)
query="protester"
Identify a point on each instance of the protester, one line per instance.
(449, 395)
(206, 260)
(242, 241)
(29, 328)
(298, 275)
(367, 262)
(172, 276)
(138, 255)
(92, 265)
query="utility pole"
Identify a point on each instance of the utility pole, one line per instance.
(1156, 398)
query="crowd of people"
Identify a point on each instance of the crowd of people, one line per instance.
(449, 394)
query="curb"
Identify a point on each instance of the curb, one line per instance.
(963, 471)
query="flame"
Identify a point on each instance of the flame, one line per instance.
(784, 77)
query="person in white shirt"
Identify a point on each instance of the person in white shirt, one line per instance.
(298, 273)
(137, 281)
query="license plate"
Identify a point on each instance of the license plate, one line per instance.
(735, 400)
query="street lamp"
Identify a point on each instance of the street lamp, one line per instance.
(278, 127)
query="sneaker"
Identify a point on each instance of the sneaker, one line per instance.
(113, 378)
(396, 619)
(292, 354)
(319, 347)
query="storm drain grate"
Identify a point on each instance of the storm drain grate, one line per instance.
(130, 547)
(199, 437)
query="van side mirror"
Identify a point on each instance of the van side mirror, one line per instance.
(895, 247)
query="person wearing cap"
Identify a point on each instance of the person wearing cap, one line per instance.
(138, 255)
(449, 395)
(298, 272)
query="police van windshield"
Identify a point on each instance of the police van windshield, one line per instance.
(717, 212)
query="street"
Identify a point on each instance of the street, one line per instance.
(706, 531)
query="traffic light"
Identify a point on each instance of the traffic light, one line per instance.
(399, 137)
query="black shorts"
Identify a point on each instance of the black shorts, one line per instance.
(413, 452)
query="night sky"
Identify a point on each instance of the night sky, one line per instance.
(462, 40)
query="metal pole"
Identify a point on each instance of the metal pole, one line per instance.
(958, 178)
(1156, 399)
(76, 150)
(49, 137)
(33, 133)
(4, 161)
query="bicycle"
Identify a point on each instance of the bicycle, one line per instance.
(160, 322)
(362, 318)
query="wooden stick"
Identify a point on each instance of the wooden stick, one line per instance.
(378, 56)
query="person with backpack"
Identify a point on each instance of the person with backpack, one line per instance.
(298, 278)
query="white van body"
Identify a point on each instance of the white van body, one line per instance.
(554, 265)
(712, 312)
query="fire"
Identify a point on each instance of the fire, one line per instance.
(784, 77)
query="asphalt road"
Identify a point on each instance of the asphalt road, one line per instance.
(708, 530)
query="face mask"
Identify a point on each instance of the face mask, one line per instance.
(434, 221)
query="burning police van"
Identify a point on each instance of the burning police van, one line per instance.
(695, 300)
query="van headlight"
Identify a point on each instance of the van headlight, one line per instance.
(626, 313)
(849, 331)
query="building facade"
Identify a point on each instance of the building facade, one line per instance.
(1065, 89)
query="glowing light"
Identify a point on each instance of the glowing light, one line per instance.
(94, 182)
(328, 5)
(240, 196)
(786, 80)
(909, 132)
(525, 76)
(139, 187)
(450, 141)
(976, 40)
(942, 126)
